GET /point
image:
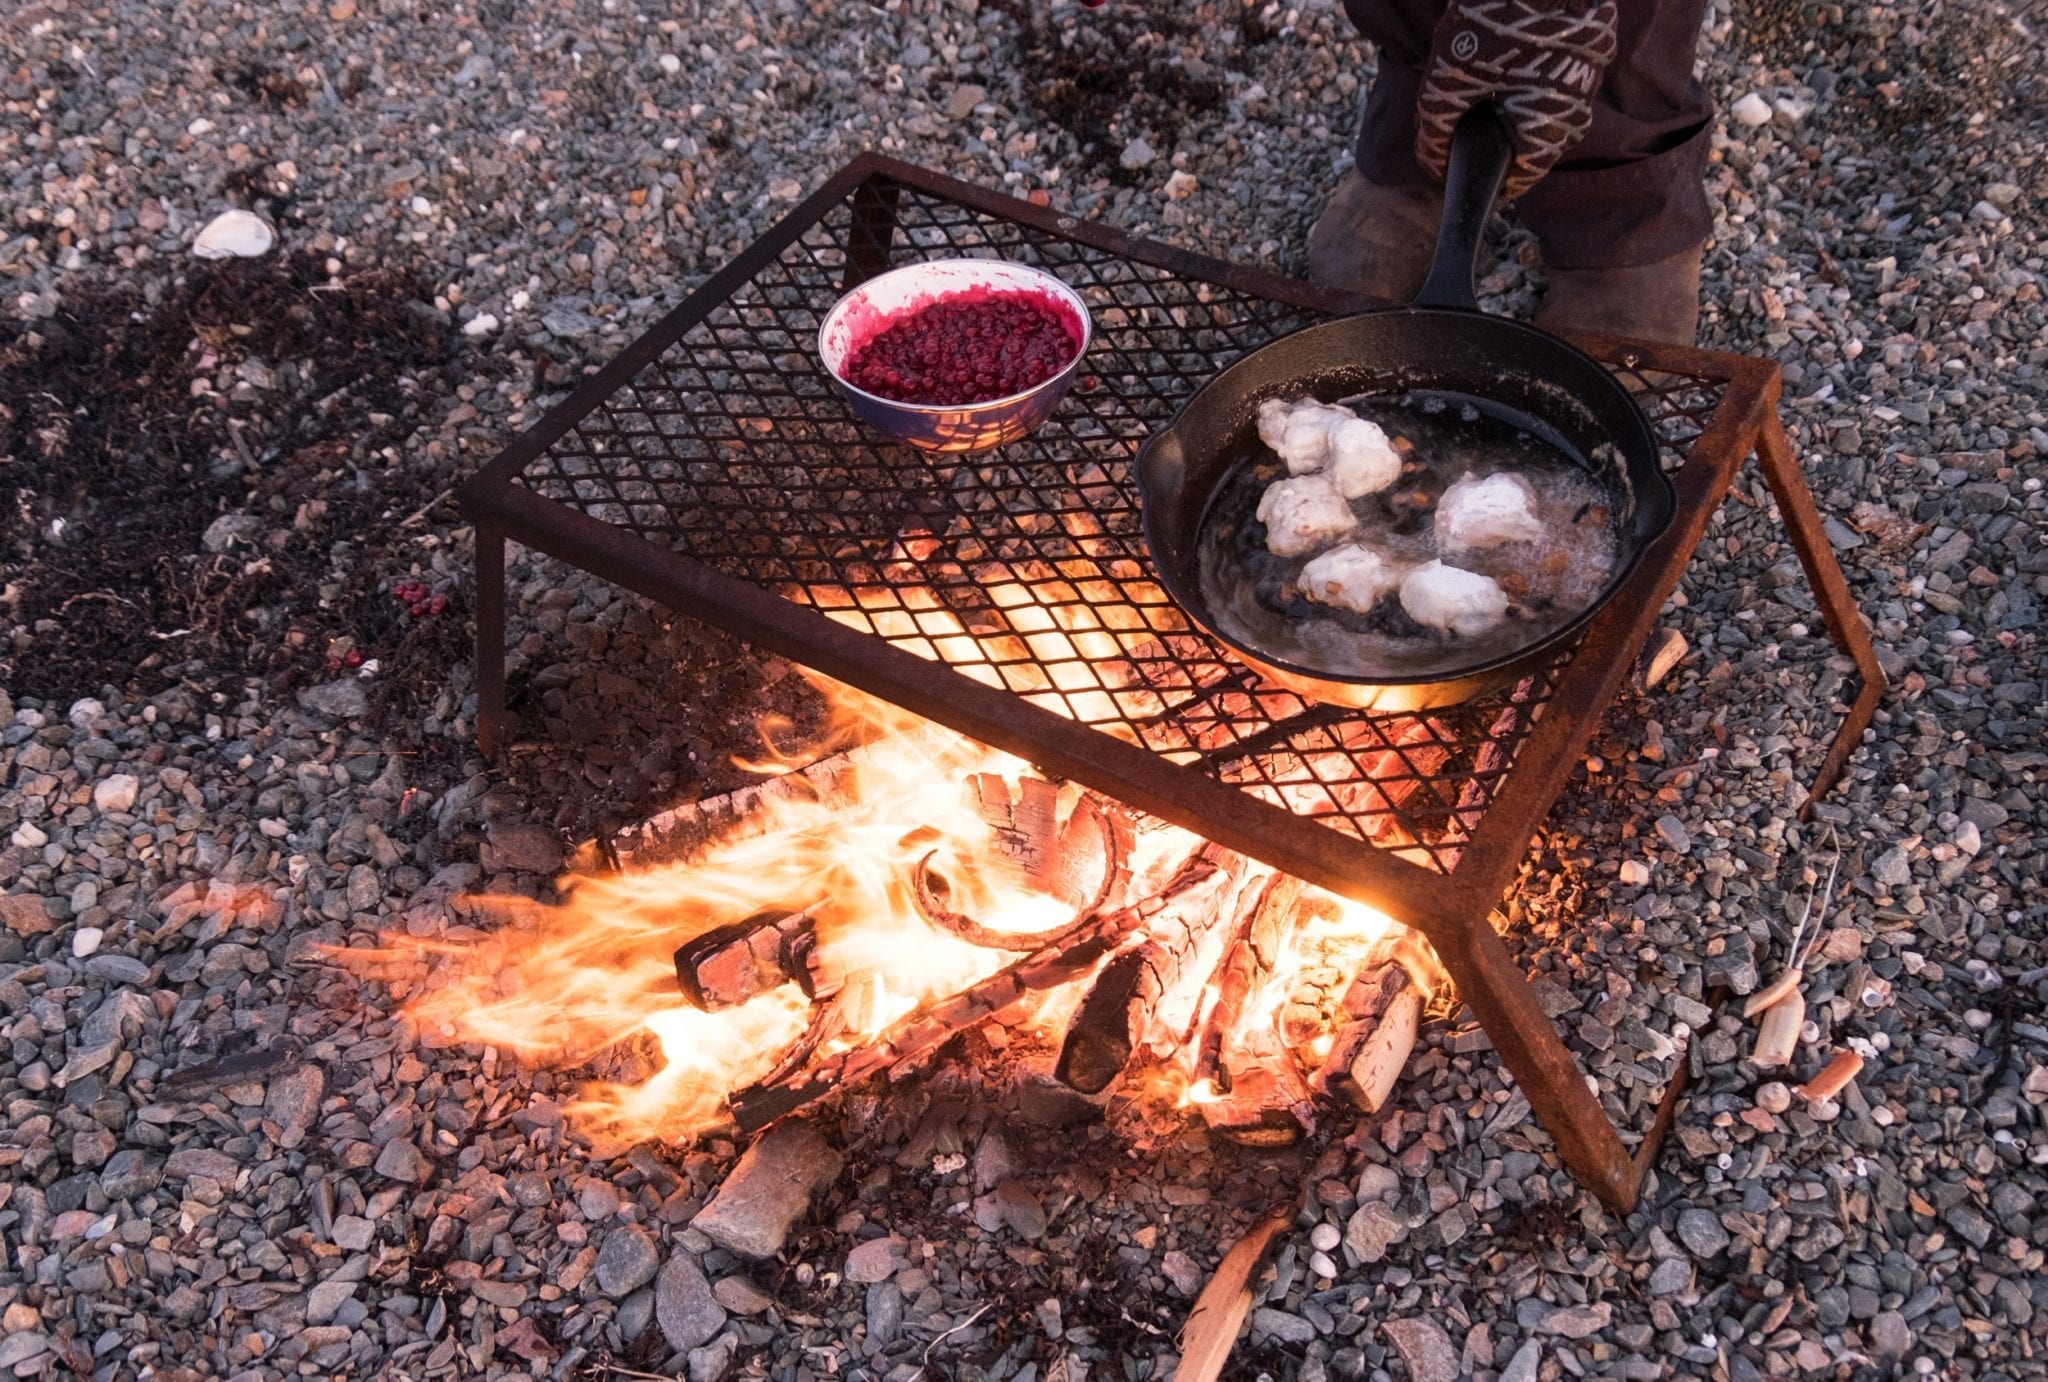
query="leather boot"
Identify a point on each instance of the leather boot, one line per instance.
(1375, 240)
(1646, 302)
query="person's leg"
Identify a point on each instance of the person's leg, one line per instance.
(1623, 220)
(1379, 229)
(1399, 32)
(1633, 191)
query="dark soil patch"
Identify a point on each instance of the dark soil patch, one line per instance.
(1115, 74)
(260, 82)
(140, 416)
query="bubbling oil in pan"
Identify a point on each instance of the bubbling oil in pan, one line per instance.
(1255, 596)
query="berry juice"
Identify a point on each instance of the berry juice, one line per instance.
(968, 348)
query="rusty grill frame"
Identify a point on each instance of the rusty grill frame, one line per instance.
(712, 467)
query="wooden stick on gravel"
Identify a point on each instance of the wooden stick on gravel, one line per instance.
(1219, 1311)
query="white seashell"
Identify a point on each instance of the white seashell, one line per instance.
(483, 324)
(234, 235)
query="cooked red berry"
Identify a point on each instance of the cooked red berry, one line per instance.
(968, 349)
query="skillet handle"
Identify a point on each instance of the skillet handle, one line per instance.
(1481, 148)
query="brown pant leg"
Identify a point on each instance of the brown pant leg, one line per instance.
(1632, 192)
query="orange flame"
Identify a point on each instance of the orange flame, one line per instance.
(562, 984)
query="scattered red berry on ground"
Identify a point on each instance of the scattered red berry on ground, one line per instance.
(967, 350)
(419, 599)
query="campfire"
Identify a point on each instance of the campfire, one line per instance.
(855, 913)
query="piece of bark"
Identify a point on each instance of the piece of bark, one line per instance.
(1777, 1035)
(1382, 1012)
(1769, 996)
(728, 965)
(1666, 648)
(1219, 1311)
(1370, 1051)
(1117, 1010)
(1833, 1076)
(1060, 958)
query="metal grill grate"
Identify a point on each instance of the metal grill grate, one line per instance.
(1023, 569)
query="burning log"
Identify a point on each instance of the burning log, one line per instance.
(1248, 959)
(1383, 1010)
(1267, 1103)
(1252, 1090)
(1060, 958)
(1083, 859)
(731, 964)
(1118, 1008)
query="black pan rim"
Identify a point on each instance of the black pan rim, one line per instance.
(1529, 654)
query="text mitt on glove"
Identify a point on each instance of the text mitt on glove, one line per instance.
(1539, 60)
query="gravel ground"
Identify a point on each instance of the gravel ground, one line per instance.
(224, 1158)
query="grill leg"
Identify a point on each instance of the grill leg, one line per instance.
(873, 231)
(1527, 1040)
(1779, 463)
(493, 725)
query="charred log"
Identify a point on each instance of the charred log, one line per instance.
(1065, 842)
(1267, 1103)
(1081, 857)
(1118, 1008)
(1059, 959)
(731, 964)
(1254, 1092)
(1257, 933)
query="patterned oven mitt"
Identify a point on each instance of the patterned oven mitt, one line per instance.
(1541, 60)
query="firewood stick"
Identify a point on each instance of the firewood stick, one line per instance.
(1252, 1091)
(1368, 1056)
(1059, 959)
(1777, 1035)
(1833, 1076)
(1067, 841)
(1117, 1010)
(1383, 1008)
(1219, 1311)
(1494, 756)
(1397, 774)
(1248, 955)
(730, 964)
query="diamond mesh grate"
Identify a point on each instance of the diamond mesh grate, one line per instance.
(1024, 568)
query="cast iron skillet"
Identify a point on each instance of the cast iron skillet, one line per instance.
(1442, 341)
